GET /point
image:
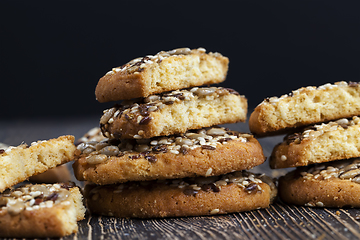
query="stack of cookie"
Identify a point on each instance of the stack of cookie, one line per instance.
(322, 126)
(164, 154)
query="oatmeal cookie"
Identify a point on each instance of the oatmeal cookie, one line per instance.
(332, 184)
(233, 192)
(19, 163)
(173, 112)
(203, 152)
(319, 143)
(165, 71)
(41, 211)
(305, 106)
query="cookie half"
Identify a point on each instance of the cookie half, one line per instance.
(173, 112)
(41, 211)
(234, 192)
(333, 184)
(19, 163)
(204, 152)
(165, 71)
(305, 106)
(319, 143)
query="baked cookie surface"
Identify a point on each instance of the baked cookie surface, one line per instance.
(40, 211)
(332, 184)
(173, 112)
(19, 163)
(319, 143)
(233, 192)
(165, 71)
(204, 152)
(305, 106)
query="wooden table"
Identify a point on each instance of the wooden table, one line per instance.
(279, 221)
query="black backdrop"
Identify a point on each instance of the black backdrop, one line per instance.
(54, 52)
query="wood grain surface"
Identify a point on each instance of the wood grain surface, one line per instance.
(279, 221)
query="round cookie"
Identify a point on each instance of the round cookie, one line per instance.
(305, 106)
(165, 71)
(319, 143)
(203, 152)
(173, 112)
(41, 211)
(233, 192)
(333, 184)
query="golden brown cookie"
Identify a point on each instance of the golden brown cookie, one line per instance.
(332, 184)
(233, 192)
(165, 71)
(204, 152)
(173, 112)
(319, 143)
(41, 211)
(19, 163)
(305, 106)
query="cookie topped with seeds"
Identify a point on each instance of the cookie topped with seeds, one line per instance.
(203, 152)
(173, 112)
(19, 163)
(233, 192)
(41, 210)
(162, 72)
(319, 143)
(305, 106)
(331, 184)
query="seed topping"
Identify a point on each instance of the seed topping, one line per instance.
(274, 100)
(32, 197)
(138, 65)
(317, 130)
(249, 182)
(343, 169)
(208, 139)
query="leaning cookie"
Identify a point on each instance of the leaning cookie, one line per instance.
(19, 163)
(332, 184)
(204, 152)
(233, 192)
(165, 71)
(319, 143)
(305, 106)
(173, 112)
(41, 211)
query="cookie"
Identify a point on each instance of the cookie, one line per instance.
(204, 152)
(233, 192)
(19, 163)
(41, 211)
(332, 184)
(54, 175)
(165, 71)
(305, 106)
(173, 112)
(319, 143)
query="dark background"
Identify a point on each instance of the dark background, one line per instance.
(54, 52)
